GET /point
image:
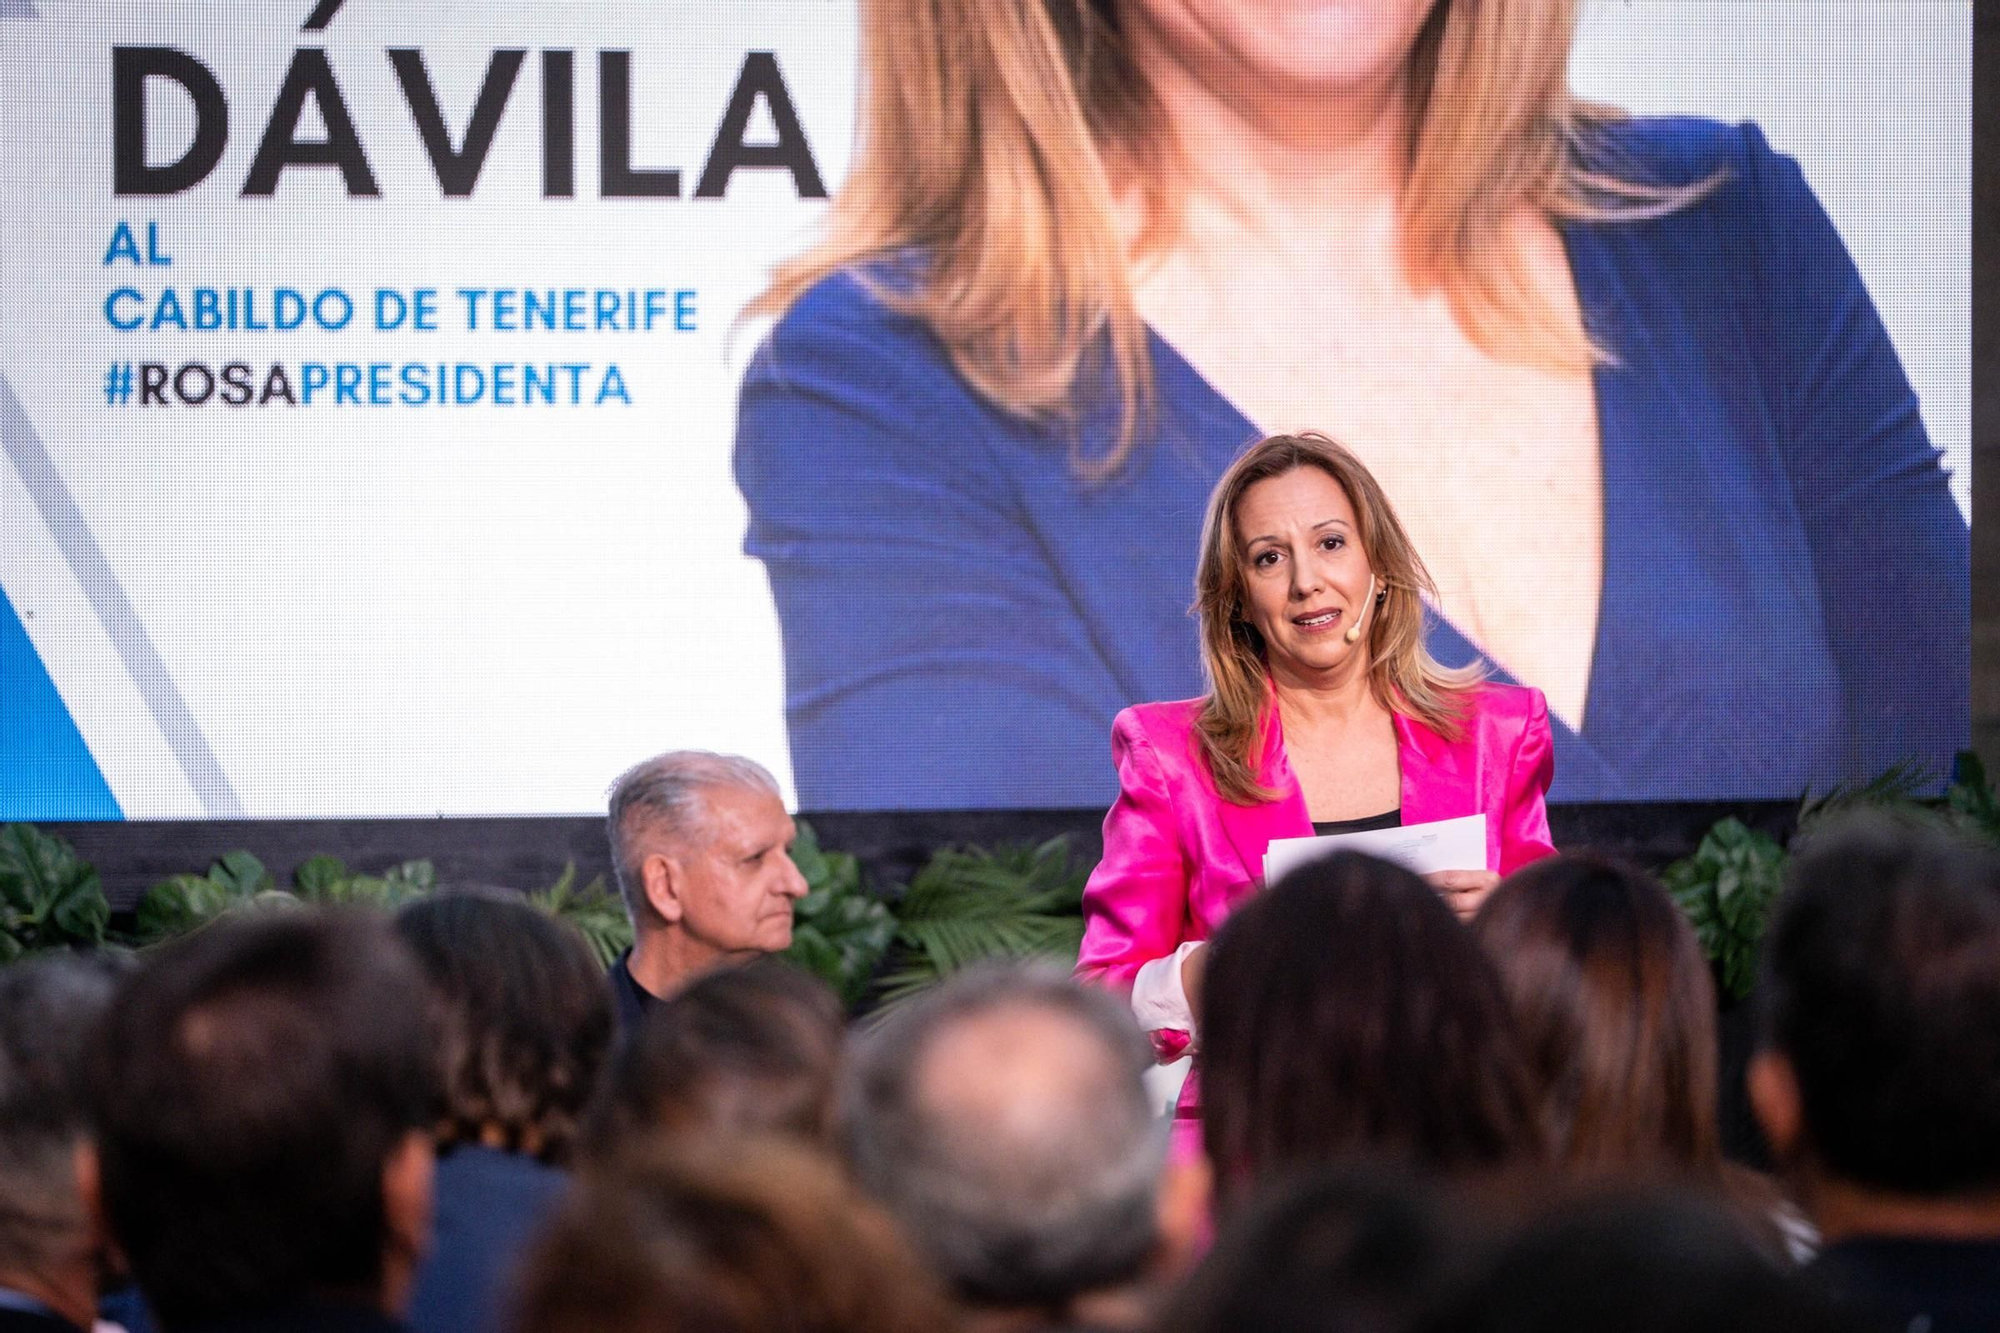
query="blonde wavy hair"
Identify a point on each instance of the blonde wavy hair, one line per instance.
(1233, 725)
(992, 134)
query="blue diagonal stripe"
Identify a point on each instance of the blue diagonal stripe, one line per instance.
(46, 770)
(114, 609)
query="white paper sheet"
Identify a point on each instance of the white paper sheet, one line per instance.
(1444, 844)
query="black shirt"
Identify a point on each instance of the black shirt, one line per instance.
(1367, 824)
(629, 999)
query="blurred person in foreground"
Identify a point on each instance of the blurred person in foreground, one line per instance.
(523, 1024)
(734, 1235)
(1650, 1262)
(1003, 1120)
(1615, 1009)
(754, 1049)
(1339, 1250)
(1878, 1078)
(700, 846)
(52, 1253)
(262, 1092)
(1347, 1017)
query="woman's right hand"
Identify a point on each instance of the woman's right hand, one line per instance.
(1464, 891)
(1193, 963)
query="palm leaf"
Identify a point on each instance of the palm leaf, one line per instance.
(593, 911)
(969, 904)
(840, 930)
(1897, 789)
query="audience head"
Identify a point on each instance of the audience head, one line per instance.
(1615, 1010)
(699, 846)
(49, 1009)
(1003, 1120)
(1641, 1263)
(1335, 1251)
(1346, 1014)
(763, 1237)
(262, 1091)
(523, 1020)
(754, 1049)
(1880, 1066)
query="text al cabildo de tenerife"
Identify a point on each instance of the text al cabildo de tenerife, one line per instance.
(143, 297)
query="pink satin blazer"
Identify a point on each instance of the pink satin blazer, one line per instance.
(1177, 857)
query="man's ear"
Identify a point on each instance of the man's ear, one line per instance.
(407, 1178)
(1773, 1086)
(663, 880)
(1186, 1190)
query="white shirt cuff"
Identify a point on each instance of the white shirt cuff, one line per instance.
(1158, 998)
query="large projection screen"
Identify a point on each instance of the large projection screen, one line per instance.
(369, 391)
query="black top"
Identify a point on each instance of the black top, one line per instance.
(629, 1000)
(1942, 1286)
(1393, 819)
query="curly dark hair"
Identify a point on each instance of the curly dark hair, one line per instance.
(523, 1014)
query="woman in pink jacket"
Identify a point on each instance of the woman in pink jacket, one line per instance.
(1324, 714)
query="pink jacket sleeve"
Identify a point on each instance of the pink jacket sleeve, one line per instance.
(1524, 832)
(1135, 906)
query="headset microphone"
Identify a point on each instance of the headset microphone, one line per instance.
(1353, 634)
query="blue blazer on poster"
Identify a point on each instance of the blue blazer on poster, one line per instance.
(1785, 601)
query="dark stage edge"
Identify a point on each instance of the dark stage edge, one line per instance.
(531, 852)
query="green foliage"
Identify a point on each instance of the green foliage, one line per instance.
(966, 905)
(325, 881)
(1971, 800)
(49, 899)
(596, 913)
(239, 881)
(1727, 888)
(1897, 789)
(839, 930)
(183, 903)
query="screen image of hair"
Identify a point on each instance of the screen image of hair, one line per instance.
(998, 387)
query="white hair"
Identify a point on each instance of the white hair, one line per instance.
(663, 797)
